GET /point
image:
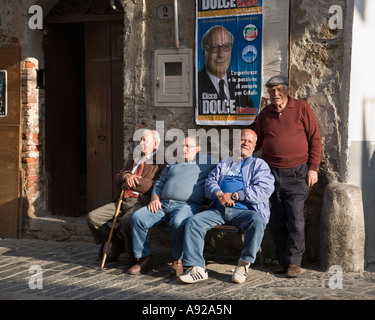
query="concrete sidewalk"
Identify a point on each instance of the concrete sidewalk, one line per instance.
(71, 271)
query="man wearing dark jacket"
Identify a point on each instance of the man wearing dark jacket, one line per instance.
(137, 178)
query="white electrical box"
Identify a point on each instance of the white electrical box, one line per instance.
(173, 78)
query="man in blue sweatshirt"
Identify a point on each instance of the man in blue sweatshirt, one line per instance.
(239, 187)
(176, 196)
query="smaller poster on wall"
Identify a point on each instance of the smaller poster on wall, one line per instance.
(228, 61)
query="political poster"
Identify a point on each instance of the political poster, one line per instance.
(228, 61)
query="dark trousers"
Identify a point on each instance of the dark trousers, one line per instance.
(98, 219)
(287, 221)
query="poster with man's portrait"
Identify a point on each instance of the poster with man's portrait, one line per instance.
(228, 61)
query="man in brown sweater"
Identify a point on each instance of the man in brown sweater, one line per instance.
(288, 134)
(137, 178)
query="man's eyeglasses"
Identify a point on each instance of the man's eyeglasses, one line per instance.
(214, 49)
(187, 146)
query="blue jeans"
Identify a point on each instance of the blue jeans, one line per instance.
(250, 222)
(177, 212)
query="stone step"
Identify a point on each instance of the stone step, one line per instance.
(58, 228)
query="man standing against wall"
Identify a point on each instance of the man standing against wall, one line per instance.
(288, 134)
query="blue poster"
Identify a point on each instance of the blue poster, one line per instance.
(229, 61)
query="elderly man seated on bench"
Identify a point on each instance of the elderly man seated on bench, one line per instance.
(239, 187)
(176, 196)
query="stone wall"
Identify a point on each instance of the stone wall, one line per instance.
(144, 33)
(320, 74)
(14, 32)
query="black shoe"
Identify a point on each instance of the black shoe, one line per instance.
(280, 268)
(117, 247)
(101, 251)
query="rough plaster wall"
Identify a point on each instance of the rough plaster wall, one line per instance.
(15, 32)
(320, 68)
(14, 25)
(320, 73)
(133, 56)
(144, 33)
(14, 17)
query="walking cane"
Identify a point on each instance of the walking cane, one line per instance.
(113, 227)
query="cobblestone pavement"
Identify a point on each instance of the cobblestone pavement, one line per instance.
(71, 271)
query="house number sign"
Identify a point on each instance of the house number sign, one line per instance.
(165, 12)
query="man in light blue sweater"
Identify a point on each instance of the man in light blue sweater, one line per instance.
(176, 196)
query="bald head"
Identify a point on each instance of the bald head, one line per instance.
(248, 142)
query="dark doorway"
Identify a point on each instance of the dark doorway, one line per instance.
(84, 112)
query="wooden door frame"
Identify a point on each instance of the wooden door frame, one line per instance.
(93, 17)
(10, 153)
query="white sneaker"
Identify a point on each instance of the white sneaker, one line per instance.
(194, 274)
(240, 273)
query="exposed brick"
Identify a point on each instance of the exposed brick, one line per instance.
(32, 100)
(29, 65)
(31, 187)
(32, 179)
(33, 171)
(29, 160)
(29, 148)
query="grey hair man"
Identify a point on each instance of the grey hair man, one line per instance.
(137, 177)
(288, 134)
